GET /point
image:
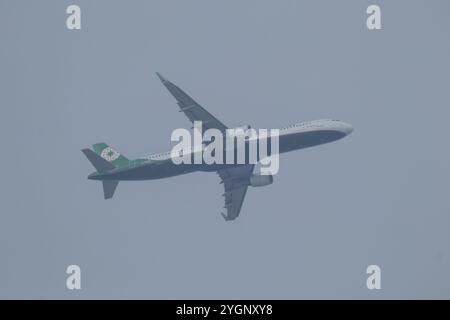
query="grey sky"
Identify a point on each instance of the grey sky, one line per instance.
(379, 196)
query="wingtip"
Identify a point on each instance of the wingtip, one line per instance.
(225, 217)
(161, 77)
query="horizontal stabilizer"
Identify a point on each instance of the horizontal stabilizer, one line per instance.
(109, 186)
(100, 164)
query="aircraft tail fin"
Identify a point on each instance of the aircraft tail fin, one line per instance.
(109, 186)
(110, 155)
(100, 164)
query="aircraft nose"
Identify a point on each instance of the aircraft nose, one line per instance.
(341, 126)
(347, 128)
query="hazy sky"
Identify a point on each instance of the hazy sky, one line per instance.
(379, 196)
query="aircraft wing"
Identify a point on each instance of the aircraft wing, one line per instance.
(235, 181)
(192, 109)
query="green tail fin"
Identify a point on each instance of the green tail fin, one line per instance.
(100, 164)
(110, 155)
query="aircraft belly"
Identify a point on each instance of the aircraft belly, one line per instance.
(161, 170)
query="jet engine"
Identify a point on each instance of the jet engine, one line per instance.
(257, 180)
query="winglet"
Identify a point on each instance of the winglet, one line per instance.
(225, 217)
(163, 80)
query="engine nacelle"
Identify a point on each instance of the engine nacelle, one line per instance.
(257, 180)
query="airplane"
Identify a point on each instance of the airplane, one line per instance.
(112, 167)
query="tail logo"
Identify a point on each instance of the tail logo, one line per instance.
(109, 154)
